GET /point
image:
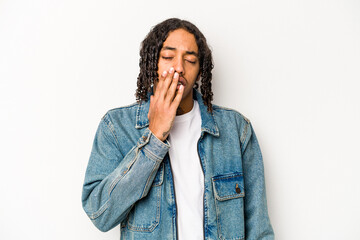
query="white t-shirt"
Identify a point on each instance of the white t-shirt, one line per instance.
(188, 174)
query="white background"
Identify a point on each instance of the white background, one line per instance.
(291, 67)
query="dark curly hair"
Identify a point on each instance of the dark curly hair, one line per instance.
(149, 56)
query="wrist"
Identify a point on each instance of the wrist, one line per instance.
(158, 135)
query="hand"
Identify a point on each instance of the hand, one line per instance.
(164, 103)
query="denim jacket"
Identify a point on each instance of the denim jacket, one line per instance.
(129, 181)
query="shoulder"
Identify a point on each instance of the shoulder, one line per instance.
(123, 113)
(225, 112)
(231, 121)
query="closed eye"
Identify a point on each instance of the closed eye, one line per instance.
(192, 62)
(170, 58)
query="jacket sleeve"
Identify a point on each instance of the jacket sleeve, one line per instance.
(257, 222)
(113, 183)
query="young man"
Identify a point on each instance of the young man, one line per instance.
(173, 165)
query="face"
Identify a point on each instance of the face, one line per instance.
(180, 51)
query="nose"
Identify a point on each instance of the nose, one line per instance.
(179, 66)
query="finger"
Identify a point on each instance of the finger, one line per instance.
(172, 89)
(160, 83)
(178, 97)
(167, 82)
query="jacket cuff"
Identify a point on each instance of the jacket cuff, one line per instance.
(154, 146)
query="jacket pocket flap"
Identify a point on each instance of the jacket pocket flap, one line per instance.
(228, 186)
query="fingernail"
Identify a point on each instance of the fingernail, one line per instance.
(176, 75)
(164, 74)
(171, 70)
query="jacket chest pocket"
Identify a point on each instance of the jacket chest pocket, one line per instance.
(229, 202)
(145, 215)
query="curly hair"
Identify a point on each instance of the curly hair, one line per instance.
(149, 56)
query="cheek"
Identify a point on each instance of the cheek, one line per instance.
(196, 68)
(161, 68)
(196, 73)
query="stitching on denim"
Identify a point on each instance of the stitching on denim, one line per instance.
(123, 173)
(216, 133)
(151, 155)
(100, 211)
(155, 223)
(111, 128)
(148, 181)
(243, 137)
(229, 109)
(204, 157)
(138, 115)
(138, 123)
(115, 182)
(227, 197)
(241, 115)
(242, 237)
(136, 149)
(218, 219)
(216, 127)
(161, 143)
(219, 225)
(161, 169)
(205, 214)
(141, 142)
(232, 176)
(146, 229)
(172, 193)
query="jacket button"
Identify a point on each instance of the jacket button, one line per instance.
(144, 138)
(238, 190)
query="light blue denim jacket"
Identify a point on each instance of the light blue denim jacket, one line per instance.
(129, 181)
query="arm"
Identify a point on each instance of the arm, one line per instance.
(257, 222)
(113, 183)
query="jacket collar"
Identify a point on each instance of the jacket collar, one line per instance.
(208, 123)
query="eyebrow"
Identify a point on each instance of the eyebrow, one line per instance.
(187, 52)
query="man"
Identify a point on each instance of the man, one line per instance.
(173, 165)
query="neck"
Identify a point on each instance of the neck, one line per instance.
(185, 106)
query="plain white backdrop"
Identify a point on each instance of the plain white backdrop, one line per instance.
(291, 67)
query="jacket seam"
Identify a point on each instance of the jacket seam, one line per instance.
(237, 175)
(216, 107)
(123, 173)
(100, 211)
(220, 236)
(110, 127)
(155, 223)
(163, 144)
(151, 156)
(148, 181)
(244, 134)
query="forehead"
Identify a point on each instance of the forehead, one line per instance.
(182, 40)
